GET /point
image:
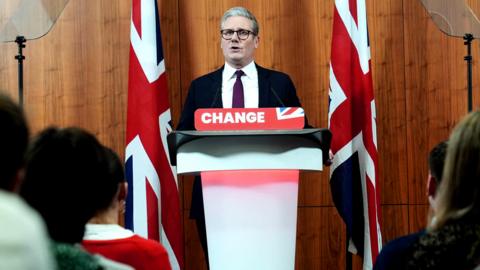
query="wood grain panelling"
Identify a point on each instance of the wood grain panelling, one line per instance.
(8, 70)
(194, 257)
(386, 41)
(77, 75)
(435, 88)
(417, 217)
(72, 74)
(199, 34)
(187, 190)
(417, 76)
(394, 222)
(169, 22)
(320, 239)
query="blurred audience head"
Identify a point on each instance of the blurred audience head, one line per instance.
(459, 192)
(436, 161)
(114, 190)
(64, 176)
(13, 142)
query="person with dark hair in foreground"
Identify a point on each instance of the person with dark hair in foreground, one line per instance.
(13, 143)
(65, 169)
(393, 255)
(104, 236)
(24, 243)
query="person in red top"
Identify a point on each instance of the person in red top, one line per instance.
(104, 236)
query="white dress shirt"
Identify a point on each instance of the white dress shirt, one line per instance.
(249, 81)
(106, 232)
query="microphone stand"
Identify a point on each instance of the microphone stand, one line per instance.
(468, 41)
(20, 40)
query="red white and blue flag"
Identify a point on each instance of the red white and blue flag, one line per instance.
(352, 120)
(290, 113)
(153, 206)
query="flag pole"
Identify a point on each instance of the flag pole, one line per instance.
(468, 58)
(20, 40)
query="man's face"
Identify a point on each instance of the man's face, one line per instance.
(238, 53)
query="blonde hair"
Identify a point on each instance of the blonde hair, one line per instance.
(458, 195)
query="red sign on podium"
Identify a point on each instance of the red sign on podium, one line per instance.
(249, 119)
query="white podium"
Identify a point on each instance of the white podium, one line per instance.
(250, 190)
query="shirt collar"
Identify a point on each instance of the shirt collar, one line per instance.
(105, 232)
(250, 71)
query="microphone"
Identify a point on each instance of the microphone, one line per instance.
(277, 97)
(215, 98)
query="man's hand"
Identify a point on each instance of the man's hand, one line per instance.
(329, 161)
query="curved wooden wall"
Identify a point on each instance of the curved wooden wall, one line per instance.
(77, 75)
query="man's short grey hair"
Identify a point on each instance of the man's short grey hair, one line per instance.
(242, 12)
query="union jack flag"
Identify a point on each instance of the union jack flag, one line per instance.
(352, 120)
(289, 112)
(153, 206)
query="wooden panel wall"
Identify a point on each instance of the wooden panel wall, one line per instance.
(77, 75)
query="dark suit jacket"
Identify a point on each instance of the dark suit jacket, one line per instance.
(395, 254)
(276, 89)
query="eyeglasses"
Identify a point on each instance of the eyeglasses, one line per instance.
(242, 34)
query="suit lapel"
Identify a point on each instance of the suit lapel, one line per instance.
(263, 87)
(216, 88)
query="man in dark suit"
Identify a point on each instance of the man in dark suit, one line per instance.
(263, 87)
(240, 83)
(275, 89)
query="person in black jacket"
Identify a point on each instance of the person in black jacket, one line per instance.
(394, 254)
(452, 238)
(261, 87)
